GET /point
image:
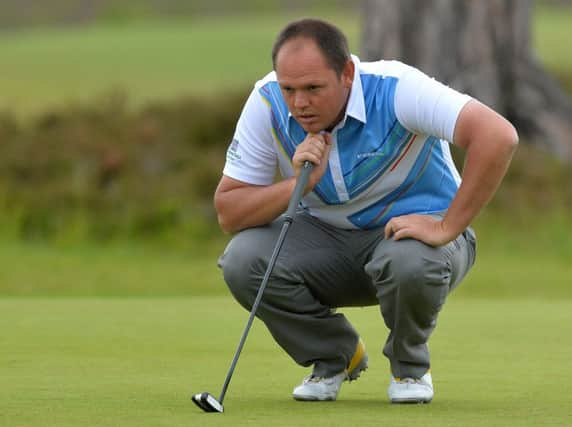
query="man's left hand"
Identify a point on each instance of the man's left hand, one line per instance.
(420, 227)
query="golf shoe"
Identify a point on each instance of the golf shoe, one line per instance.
(320, 388)
(411, 390)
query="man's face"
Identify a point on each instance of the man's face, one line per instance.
(315, 94)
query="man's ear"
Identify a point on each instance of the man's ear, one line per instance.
(348, 73)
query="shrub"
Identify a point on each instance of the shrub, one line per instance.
(116, 171)
(101, 171)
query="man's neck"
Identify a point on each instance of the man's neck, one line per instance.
(341, 115)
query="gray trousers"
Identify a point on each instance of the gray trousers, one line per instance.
(321, 267)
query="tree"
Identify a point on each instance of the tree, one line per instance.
(482, 48)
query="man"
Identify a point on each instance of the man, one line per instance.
(385, 217)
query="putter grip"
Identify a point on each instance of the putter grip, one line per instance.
(301, 183)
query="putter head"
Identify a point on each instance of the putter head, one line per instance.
(207, 402)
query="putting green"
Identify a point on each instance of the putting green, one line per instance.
(135, 362)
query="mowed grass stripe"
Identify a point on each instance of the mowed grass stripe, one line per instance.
(102, 362)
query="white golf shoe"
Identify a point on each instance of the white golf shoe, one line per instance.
(320, 388)
(411, 390)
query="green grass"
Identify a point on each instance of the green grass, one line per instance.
(152, 60)
(134, 362)
(521, 254)
(500, 352)
(517, 256)
(123, 269)
(551, 28)
(43, 68)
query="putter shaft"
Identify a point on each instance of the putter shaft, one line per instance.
(297, 194)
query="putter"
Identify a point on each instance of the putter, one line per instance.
(207, 401)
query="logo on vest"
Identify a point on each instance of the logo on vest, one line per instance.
(232, 153)
(372, 154)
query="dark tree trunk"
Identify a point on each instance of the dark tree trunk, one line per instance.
(479, 47)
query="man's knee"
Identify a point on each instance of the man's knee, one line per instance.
(243, 264)
(412, 266)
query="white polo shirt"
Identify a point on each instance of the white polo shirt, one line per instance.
(389, 156)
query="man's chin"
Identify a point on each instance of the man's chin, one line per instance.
(312, 127)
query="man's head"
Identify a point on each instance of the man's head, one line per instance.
(315, 72)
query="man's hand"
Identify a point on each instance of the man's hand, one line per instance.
(489, 141)
(315, 149)
(420, 227)
(240, 205)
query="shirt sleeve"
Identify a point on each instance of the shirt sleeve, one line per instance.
(251, 157)
(427, 107)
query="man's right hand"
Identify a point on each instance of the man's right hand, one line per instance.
(240, 205)
(316, 149)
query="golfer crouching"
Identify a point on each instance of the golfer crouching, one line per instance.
(385, 218)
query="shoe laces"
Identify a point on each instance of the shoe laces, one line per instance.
(317, 380)
(408, 380)
(314, 379)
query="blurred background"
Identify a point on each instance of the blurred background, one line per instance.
(115, 116)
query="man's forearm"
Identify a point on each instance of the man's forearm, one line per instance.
(483, 172)
(250, 206)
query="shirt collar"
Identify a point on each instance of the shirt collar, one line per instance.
(356, 104)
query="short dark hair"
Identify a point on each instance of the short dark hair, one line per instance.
(329, 39)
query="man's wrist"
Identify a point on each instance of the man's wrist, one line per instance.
(450, 230)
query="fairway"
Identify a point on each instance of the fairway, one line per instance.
(156, 60)
(135, 362)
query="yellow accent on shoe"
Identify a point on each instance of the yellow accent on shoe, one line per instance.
(320, 388)
(358, 362)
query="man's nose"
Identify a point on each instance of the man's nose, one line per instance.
(300, 99)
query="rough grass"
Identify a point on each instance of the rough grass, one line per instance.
(120, 269)
(135, 362)
(523, 255)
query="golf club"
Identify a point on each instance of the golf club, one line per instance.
(207, 401)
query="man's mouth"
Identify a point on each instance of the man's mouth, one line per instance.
(306, 118)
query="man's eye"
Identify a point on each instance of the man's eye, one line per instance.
(313, 88)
